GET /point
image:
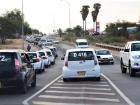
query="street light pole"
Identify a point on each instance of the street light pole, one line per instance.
(22, 27)
(69, 12)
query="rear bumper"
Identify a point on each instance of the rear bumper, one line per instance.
(95, 72)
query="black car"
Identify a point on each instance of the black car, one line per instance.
(16, 70)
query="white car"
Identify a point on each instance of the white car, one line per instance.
(45, 58)
(49, 54)
(54, 50)
(38, 63)
(80, 63)
(81, 43)
(104, 56)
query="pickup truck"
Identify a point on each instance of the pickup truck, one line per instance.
(130, 58)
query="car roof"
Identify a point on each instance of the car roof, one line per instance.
(134, 42)
(46, 49)
(101, 49)
(81, 40)
(12, 50)
(80, 49)
(32, 52)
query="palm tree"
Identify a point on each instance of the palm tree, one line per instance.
(84, 12)
(95, 13)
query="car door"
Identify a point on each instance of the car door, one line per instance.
(26, 65)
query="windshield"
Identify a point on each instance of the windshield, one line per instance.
(80, 55)
(41, 53)
(103, 52)
(82, 43)
(32, 55)
(135, 47)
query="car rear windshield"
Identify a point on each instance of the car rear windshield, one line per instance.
(80, 55)
(135, 47)
(48, 53)
(32, 55)
(7, 58)
(41, 53)
(103, 52)
(82, 43)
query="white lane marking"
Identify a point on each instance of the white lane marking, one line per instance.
(81, 98)
(74, 84)
(100, 82)
(25, 102)
(77, 88)
(83, 92)
(119, 91)
(54, 103)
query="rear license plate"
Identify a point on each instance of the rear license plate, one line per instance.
(81, 73)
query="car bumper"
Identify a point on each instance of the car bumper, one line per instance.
(95, 72)
(105, 60)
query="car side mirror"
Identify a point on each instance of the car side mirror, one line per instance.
(126, 50)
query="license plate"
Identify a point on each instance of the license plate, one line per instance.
(81, 73)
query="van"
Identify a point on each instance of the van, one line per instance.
(82, 43)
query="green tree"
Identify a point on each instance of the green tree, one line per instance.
(84, 12)
(77, 31)
(59, 32)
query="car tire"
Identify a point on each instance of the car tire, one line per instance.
(24, 87)
(65, 80)
(132, 73)
(124, 70)
(98, 78)
(33, 84)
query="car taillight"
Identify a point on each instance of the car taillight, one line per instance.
(44, 57)
(17, 64)
(95, 62)
(37, 60)
(66, 63)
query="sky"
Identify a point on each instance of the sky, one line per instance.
(49, 15)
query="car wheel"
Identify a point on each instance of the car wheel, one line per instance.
(65, 79)
(98, 78)
(24, 87)
(132, 73)
(122, 67)
(33, 84)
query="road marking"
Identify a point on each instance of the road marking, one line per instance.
(54, 103)
(77, 88)
(83, 92)
(25, 102)
(80, 98)
(100, 82)
(71, 84)
(119, 91)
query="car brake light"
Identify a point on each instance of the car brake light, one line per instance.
(37, 60)
(95, 62)
(17, 64)
(66, 63)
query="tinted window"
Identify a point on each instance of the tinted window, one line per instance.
(7, 58)
(41, 53)
(49, 53)
(82, 43)
(103, 52)
(135, 47)
(32, 55)
(80, 55)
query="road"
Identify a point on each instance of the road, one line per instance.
(85, 92)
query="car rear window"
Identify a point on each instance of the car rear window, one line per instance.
(103, 52)
(82, 43)
(80, 55)
(32, 55)
(48, 53)
(7, 57)
(41, 53)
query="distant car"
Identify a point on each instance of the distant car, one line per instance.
(45, 58)
(81, 43)
(38, 63)
(80, 63)
(104, 56)
(49, 54)
(16, 70)
(54, 50)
